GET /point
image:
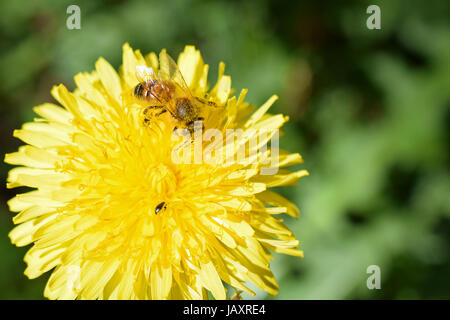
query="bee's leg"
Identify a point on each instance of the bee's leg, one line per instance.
(191, 127)
(176, 128)
(146, 110)
(160, 113)
(191, 124)
(207, 102)
(147, 116)
(191, 133)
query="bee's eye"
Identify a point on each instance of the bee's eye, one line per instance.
(159, 207)
(181, 109)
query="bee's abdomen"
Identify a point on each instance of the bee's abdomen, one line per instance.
(139, 90)
(162, 90)
(154, 90)
(145, 90)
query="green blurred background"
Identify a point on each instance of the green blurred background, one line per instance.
(369, 112)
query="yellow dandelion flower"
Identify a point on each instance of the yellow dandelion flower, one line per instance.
(114, 217)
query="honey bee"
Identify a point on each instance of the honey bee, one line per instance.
(167, 91)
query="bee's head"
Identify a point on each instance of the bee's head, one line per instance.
(184, 108)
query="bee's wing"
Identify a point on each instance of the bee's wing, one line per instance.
(168, 70)
(144, 73)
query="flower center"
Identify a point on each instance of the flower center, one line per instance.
(162, 182)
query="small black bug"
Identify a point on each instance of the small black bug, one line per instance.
(159, 207)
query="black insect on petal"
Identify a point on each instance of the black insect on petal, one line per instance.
(159, 207)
